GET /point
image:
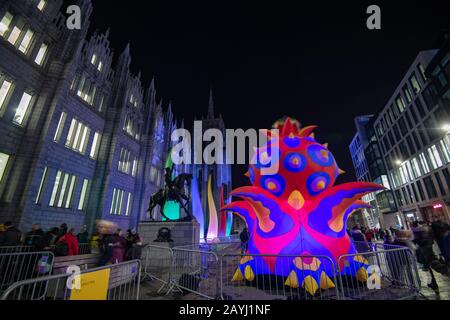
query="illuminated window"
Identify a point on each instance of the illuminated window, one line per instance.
(5, 90)
(86, 90)
(5, 23)
(59, 129)
(41, 54)
(62, 192)
(14, 35)
(4, 158)
(94, 59)
(95, 145)
(100, 66)
(129, 200)
(41, 186)
(22, 109)
(41, 4)
(424, 163)
(124, 161)
(78, 136)
(135, 167)
(444, 146)
(117, 202)
(26, 41)
(84, 193)
(415, 83)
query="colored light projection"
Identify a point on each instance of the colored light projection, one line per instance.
(298, 212)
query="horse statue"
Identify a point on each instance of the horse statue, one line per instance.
(174, 190)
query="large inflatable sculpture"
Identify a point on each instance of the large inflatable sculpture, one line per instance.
(298, 212)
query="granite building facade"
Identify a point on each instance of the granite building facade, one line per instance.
(82, 138)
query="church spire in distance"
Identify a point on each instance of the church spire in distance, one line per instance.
(211, 105)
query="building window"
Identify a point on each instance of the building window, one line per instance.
(135, 167)
(431, 189)
(421, 191)
(407, 93)
(5, 91)
(422, 72)
(416, 168)
(435, 157)
(41, 5)
(129, 200)
(124, 161)
(117, 202)
(41, 186)
(21, 111)
(86, 90)
(95, 145)
(444, 146)
(447, 177)
(415, 84)
(4, 158)
(100, 66)
(400, 104)
(94, 59)
(26, 41)
(424, 163)
(62, 192)
(84, 194)
(78, 136)
(59, 129)
(439, 182)
(5, 23)
(40, 57)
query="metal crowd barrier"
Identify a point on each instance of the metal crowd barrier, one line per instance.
(157, 264)
(15, 267)
(392, 273)
(16, 249)
(123, 284)
(195, 271)
(253, 282)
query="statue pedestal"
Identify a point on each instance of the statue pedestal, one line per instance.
(182, 233)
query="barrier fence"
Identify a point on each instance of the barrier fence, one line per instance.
(15, 267)
(83, 248)
(209, 271)
(248, 277)
(119, 282)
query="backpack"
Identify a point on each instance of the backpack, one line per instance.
(61, 248)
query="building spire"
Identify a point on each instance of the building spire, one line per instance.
(211, 105)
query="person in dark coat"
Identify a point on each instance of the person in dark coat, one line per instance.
(134, 245)
(83, 236)
(62, 231)
(245, 238)
(11, 236)
(48, 240)
(423, 238)
(33, 237)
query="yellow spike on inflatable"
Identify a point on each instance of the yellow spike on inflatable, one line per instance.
(249, 274)
(312, 135)
(246, 259)
(361, 259)
(296, 200)
(238, 276)
(247, 174)
(341, 171)
(292, 280)
(362, 275)
(326, 282)
(325, 145)
(310, 285)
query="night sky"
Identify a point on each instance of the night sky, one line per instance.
(315, 62)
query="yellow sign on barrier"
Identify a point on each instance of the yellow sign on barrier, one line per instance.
(94, 286)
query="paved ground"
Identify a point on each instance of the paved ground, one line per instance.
(443, 283)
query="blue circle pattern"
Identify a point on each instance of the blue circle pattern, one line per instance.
(277, 180)
(293, 167)
(313, 181)
(292, 142)
(314, 152)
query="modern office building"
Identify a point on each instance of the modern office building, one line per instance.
(413, 134)
(82, 139)
(369, 167)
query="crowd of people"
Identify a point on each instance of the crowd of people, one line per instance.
(114, 247)
(430, 241)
